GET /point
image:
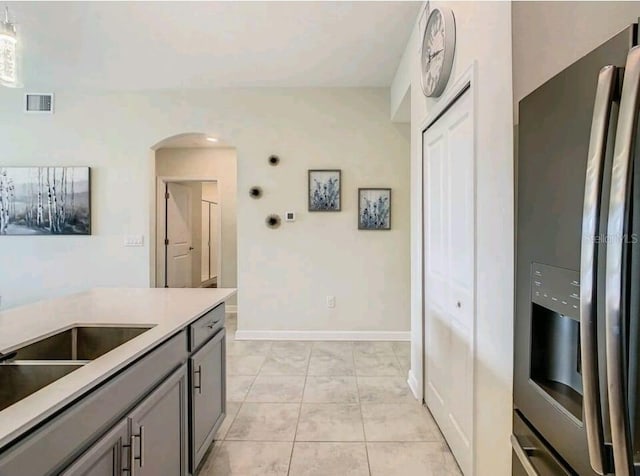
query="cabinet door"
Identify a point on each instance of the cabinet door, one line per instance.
(208, 395)
(104, 458)
(158, 430)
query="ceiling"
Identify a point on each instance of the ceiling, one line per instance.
(167, 45)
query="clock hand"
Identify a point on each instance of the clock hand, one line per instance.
(433, 55)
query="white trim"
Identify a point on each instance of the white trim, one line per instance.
(325, 335)
(231, 309)
(468, 76)
(412, 381)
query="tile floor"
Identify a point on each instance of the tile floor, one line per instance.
(323, 409)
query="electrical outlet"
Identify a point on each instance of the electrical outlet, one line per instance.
(331, 302)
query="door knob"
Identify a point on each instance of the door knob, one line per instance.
(191, 248)
(458, 304)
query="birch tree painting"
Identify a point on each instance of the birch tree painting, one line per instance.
(45, 201)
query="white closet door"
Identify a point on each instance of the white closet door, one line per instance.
(449, 240)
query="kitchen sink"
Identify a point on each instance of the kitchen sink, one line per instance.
(19, 380)
(79, 343)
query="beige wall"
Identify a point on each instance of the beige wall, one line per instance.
(483, 31)
(209, 164)
(549, 36)
(284, 275)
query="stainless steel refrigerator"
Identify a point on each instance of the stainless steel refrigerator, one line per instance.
(577, 323)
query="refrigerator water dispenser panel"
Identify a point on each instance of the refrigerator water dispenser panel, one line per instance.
(555, 336)
(557, 289)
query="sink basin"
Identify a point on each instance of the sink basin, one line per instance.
(79, 343)
(19, 380)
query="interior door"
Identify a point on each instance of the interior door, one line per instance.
(214, 236)
(449, 275)
(179, 236)
(206, 242)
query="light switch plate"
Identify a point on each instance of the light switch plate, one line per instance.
(134, 240)
(289, 216)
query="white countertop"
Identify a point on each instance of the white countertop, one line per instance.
(168, 310)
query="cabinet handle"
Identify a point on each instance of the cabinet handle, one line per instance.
(141, 446)
(130, 449)
(198, 372)
(212, 324)
(140, 458)
(132, 458)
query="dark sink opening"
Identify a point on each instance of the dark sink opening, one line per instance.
(79, 343)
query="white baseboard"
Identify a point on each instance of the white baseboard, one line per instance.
(231, 309)
(413, 385)
(324, 335)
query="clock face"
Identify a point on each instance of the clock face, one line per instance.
(437, 51)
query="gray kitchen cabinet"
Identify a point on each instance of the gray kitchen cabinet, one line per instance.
(208, 395)
(106, 457)
(158, 430)
(70, 433)
(157, 416)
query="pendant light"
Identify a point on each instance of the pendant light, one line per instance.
(8, 52)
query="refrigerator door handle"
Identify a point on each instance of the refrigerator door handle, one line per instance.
(625, 134)
(588, 268)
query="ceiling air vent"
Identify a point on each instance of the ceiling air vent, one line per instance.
(38, 103)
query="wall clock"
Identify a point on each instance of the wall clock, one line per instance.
(438, 49)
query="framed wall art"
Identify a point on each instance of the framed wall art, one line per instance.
(325, 190)
(45, 201)
(374, 208)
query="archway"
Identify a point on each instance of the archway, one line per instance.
(200, 166)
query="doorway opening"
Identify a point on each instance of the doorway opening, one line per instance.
(191, 237)
(211, 239)
(195, 213)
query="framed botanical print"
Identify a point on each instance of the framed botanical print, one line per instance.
(325, 190)
(374, 208)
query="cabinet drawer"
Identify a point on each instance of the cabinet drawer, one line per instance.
(206, 327)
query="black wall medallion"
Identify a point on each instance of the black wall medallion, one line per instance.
(273, 221)
(255, 192)
(274, 160)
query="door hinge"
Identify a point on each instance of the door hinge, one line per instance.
(166, 196)
(166, 241)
